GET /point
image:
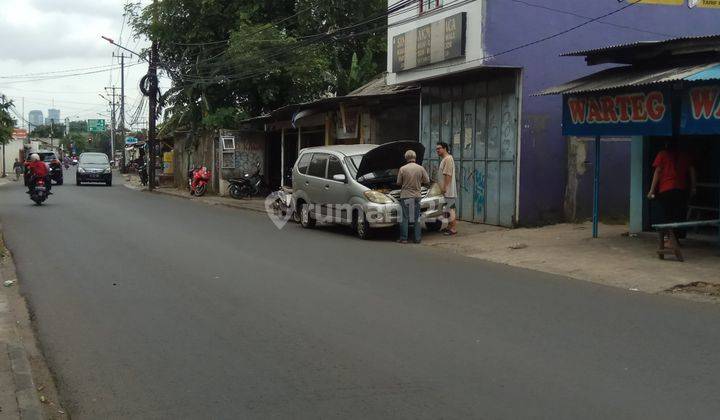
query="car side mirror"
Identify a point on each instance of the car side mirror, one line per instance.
(339, 178)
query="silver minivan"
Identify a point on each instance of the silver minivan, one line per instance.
(355, 185)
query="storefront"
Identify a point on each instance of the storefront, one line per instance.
(668, 93)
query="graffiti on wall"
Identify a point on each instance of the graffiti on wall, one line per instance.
(248, 153)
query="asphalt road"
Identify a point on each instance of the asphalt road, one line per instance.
(150, 306)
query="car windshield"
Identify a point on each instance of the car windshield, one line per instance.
(47, 157)
(94, 160)
(353, 163)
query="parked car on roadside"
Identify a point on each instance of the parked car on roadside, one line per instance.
(94, 167)
(354, 185)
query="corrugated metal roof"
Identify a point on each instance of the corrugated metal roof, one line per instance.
(379, 86)
(626, 76)
(376, 88)
(642, 44)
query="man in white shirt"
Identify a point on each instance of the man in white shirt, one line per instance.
(446, 180)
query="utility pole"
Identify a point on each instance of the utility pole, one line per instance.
(152, 104)
(113, 126)
(122, 58)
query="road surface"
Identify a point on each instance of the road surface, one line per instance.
(150, 306)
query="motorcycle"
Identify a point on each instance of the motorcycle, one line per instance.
(198, 180)
(248, 185)
(283, 204)
(142, 173)
(39, 192)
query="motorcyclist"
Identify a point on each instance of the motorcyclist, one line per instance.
(37, 169)
(17, 168)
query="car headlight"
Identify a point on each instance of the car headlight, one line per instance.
(81, 170)
(434, 190)
(377, 197)
(107, 170)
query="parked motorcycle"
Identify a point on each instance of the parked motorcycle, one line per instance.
(198, 180)
(249, 185)
(283, 204)
(142, 173)
(39, 192)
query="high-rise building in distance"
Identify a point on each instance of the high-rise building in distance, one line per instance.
(53, 116)
(35, 119)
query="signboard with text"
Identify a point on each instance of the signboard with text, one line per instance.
(709, 4)
(96, 126)
(432, 43)
(19, 133)
(701, 110)
(642, 112)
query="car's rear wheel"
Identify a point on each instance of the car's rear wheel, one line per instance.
(306, 219)
(59, 181)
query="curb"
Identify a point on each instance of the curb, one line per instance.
(26, 398)
(203, 200)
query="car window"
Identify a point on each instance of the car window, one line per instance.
(334, 167)
(304, 162)
(318, 165)
(94, 159)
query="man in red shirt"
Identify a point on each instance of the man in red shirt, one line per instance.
(37, 169)
(674, 180)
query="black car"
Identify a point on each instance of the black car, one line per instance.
(94, 167)
(53, 164)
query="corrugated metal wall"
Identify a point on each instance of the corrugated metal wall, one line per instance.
(479, 121)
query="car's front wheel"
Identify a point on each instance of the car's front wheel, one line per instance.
(361, 226)
(434, 226)
(306, 219)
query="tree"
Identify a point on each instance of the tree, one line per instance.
(7, 123)
(46, 131)
(229, 59)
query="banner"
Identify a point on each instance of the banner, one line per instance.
(708, 4)
(665, 2)
(701, 110)
(642, 112)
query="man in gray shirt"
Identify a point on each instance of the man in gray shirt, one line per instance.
(411, 177)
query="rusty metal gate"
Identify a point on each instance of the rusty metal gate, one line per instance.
(480, 122)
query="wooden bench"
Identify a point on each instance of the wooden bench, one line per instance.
(669, 230)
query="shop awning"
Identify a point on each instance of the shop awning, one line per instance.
(637, 76)
(661, 88)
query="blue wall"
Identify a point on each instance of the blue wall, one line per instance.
(510, 23)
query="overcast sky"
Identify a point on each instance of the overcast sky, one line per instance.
(40, 36)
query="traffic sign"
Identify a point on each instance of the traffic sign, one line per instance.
(96, 126)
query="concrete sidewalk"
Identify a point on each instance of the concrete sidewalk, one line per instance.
(252, 204)
(20, 397)
(614, 259)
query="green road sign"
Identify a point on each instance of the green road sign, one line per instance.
(95, 126)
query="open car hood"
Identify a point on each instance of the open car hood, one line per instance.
(389, 156)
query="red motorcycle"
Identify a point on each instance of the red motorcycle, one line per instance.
(198, 180)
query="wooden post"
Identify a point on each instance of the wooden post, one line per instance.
(282, 157)
(596, 189)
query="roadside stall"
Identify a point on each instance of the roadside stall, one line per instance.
(666, 94)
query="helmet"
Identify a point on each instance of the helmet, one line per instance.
(34, 157)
